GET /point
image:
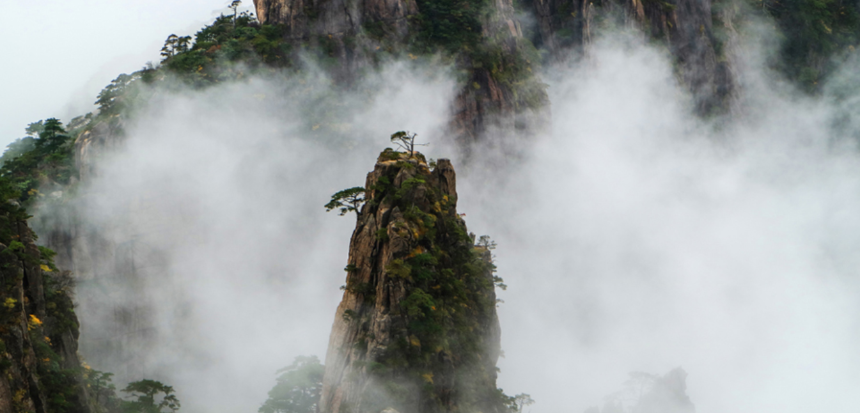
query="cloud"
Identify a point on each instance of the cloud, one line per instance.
(634, 236)
(213, 212)
(637, 237)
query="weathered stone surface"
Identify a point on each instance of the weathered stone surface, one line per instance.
(106, 257)
(370, 363)
(685, 25)
(483, 103)
(93, 144)
(306, 18)
(336, 25)
(29, 324)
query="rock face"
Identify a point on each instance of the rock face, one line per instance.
(336, 24)
(39, 367)
(108, 261)
(500, 90)
(304, 18)
(80, 249)
(417, 329)
(687, 27)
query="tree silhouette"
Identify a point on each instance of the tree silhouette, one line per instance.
(175, 45)
(522, 400)
(235, 6)
(406, 141)
(168, 50)
(146, 393)
(347, 200)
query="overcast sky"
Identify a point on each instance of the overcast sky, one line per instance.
(58, 54)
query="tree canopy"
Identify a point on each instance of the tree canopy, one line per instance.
(150, 396)
(347, 200)
(298, 388)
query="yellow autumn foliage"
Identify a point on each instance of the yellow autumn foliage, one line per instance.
(34, 321)
(45, 268)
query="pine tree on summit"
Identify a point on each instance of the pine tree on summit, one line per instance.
(406, 141)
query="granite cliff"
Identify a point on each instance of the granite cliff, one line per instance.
(498, 67)
(39, 367)
(416, 330)
(696, 32)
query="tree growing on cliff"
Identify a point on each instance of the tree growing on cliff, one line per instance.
(347, 200)
(406, 141)
(522, 400)
(114, 97)
(486, 243)
(30, 160)
(147, 399)
(175, 45)
(235, 6)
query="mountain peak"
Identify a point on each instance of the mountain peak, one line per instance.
(416, 330)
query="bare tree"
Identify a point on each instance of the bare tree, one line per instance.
(406, 141)
(522, 400)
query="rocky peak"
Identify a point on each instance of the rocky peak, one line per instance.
(416, 330)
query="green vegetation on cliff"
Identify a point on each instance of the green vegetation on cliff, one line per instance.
(419, 308)
(816, 33)
(228, 49)
(32, 162)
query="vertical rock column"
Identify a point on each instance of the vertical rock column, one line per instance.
(417, 329)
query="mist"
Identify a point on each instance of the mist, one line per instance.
(634, 236)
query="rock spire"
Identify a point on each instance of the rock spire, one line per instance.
(417, 329)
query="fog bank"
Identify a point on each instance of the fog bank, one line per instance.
(634, 236)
